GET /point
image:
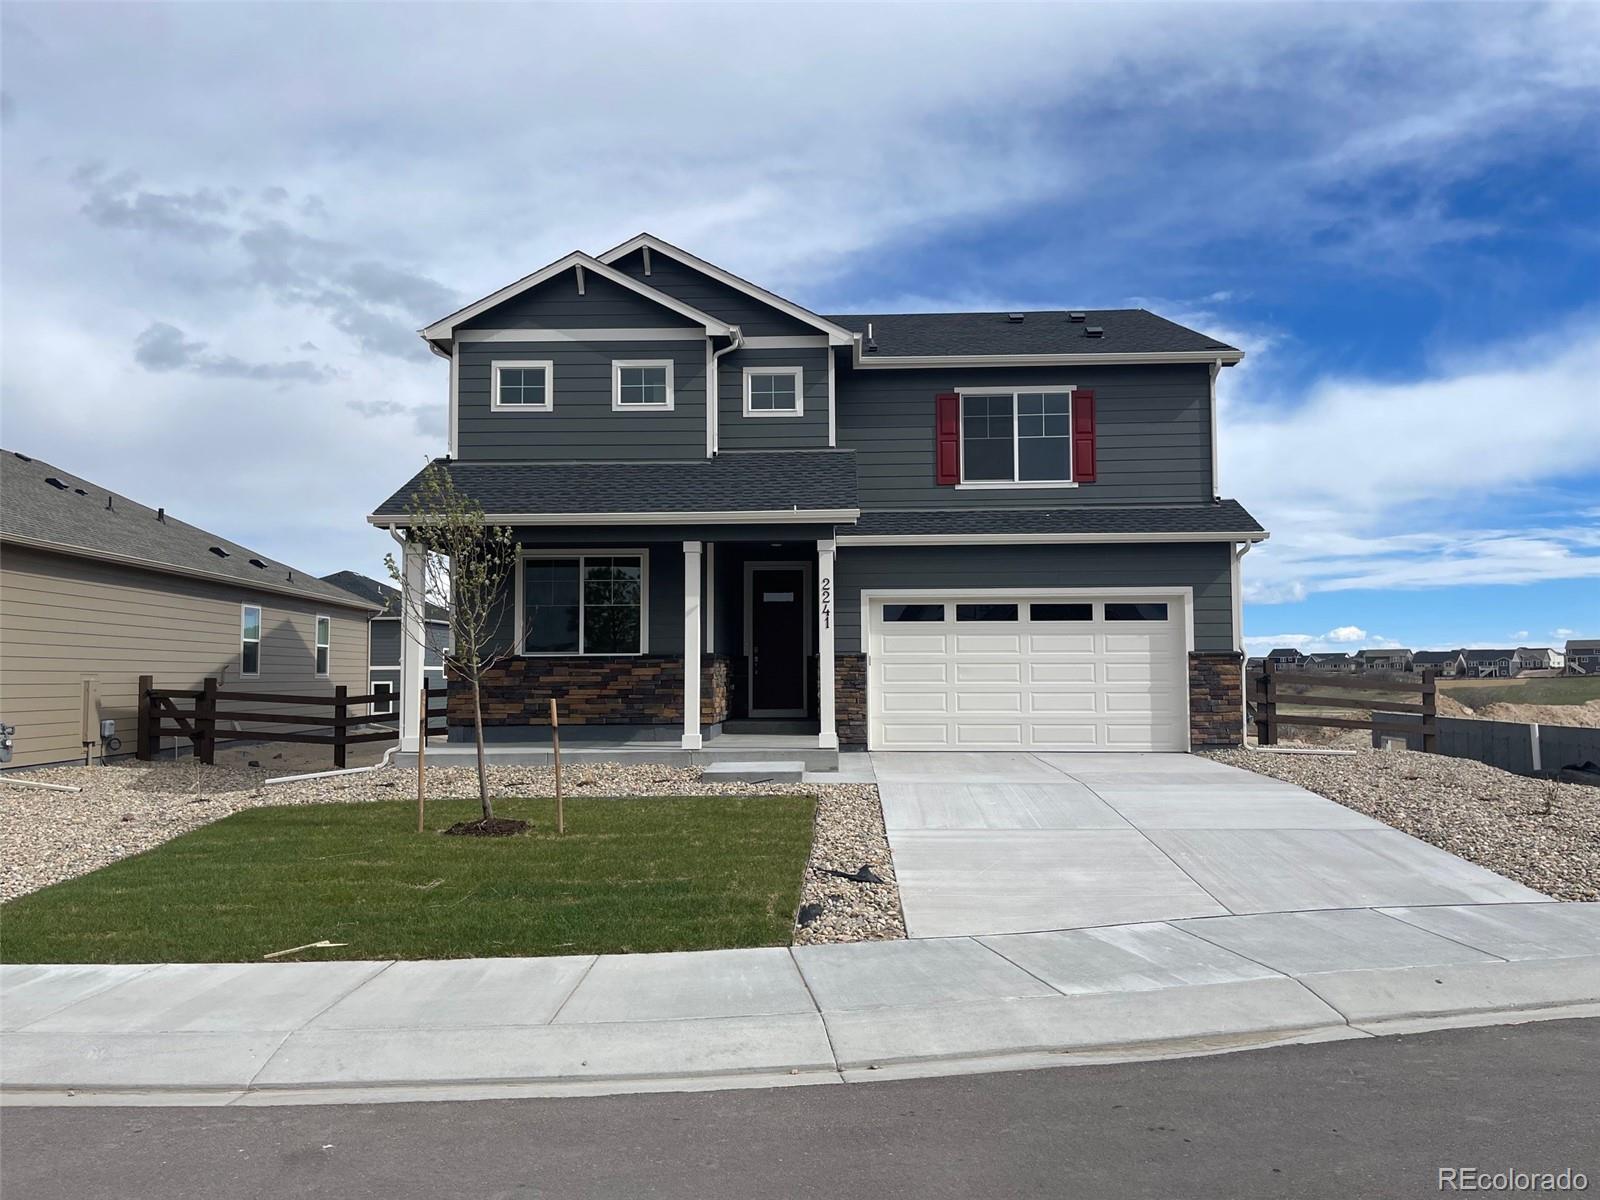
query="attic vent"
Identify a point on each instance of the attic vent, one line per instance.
(219, 552)
(56, 483)
(1016, 318)
(1093, 331)
(22, 456)
(256, 562)
(1077, 316)
(80, 491)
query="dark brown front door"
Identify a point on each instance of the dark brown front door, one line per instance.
(778, 641)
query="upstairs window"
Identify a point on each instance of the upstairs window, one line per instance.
(773, 392)
(641, 384)
(522, 386)
(250, 641)
(1016, 437)
(324, 641)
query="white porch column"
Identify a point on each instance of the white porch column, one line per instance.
(411, 648)
(828, 735)
(691, 645)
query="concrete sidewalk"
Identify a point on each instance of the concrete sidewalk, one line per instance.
(336, 1032)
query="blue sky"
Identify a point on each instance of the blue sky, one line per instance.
(223, 223)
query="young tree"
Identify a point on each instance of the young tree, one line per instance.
(466, 563)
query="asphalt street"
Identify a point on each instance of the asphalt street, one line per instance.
(1368, 1118)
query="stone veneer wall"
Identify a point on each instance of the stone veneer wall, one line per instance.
(850, 698)
(1216, 699)
(640, 689)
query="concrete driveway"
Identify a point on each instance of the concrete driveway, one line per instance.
(1017, 843)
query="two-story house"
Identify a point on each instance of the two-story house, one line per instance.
(958, 531)
(1446, 664)
(1582, 656)
(1385, 660)
(1537, 658)
(1482, 663)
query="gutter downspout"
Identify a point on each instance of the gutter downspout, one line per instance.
(1216, 484)
(1238, 634)
(714, 387)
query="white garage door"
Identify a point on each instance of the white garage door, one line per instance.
(1027, 672)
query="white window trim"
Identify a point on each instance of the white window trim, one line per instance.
(617, 365)
(524, 364)
(643, 555)
(379, 686)
(317, 645)
(261, 629)
(1012, 484)
(796, 373)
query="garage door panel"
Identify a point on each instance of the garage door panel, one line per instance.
(914, 643)
(969, 733)
(988, 643)
(1058, 643)
(1064, 672)
(1064, 737)
(986, 702)
(988, 672)
(1054, 702)
(913, 735)
(916, 672)
(896, 703)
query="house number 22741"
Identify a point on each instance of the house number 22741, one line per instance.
(826, 601)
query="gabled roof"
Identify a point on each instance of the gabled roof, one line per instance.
(1435, 656)
(378, 593)
(444, 327)
(838, 335)
(1285, 652)
(815, 486)
(1478, 654)
(1396, 651)
(44, 507)
(1331, 656)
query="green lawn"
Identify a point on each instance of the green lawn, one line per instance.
(1553, 690)
(628, 876)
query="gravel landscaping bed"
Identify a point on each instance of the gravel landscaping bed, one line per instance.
(1538, 832)
(48, 836)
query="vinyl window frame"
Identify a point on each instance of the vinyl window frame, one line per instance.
(524, 556)
(1014, 483)
(320, 647)
(546, 365)
(255, 641)
(617, 367)
(798, 374)
(383, 708)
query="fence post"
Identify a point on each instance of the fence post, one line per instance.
(205, 723)
(1267, 706)
(1430, 713)
(142, 750)
(422, 754)
(341, 709)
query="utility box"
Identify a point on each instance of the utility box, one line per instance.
(7, 734)
(108, 729)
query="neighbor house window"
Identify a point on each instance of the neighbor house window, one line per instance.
(384, 702)
(1016, 437)
(324, 639)
(773, 392)
(583, 604)
(641, 384)
(250, 640)
(522, 386)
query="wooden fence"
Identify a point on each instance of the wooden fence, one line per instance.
(1416, 718)
(160, 715)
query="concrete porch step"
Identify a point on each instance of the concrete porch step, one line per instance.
(753, 772)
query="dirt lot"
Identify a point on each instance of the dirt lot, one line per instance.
(1542, 834)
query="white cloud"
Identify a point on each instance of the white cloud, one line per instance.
(1347, 633)
(1343, 639)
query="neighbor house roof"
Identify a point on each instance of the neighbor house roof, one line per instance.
(1435, 656)
(1575, 645)
(1481, 655)
(1382, 653)
(747, 486)
(378, 593)
(48, 508)
(1331, 656)
(1132, 331)
(1286, 652)
(1225, 520)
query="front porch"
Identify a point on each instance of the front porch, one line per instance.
(533, 749)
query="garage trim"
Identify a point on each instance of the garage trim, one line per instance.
(1182, 596)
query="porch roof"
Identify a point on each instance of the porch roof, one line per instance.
(792, 485)
(1220, 520)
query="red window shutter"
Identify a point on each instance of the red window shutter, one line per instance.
(947, 440)
(1083, 436)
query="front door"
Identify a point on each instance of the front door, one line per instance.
(778, 640)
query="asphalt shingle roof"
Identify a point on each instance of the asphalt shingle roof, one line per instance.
(373, 592)
(1226, 516)
(1126, 331)
(73, 513)
(734, 481)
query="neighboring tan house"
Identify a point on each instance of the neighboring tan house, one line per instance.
(1286, 658)
(383, 637)
(96, 590)
(1489, 664)
(1537, 658)
(1445, 664)
(1583, 657)
(935, 531)
(1385, 660)
(1334, 662)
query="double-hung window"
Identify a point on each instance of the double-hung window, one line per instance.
(250, 640)
(641, 384)
(1016, 437)
(773, 392)
(583, 604)
(324, 642)
(522, 385)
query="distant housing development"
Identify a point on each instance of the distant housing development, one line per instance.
(1580, 657)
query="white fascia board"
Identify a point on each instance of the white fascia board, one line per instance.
(803, 516)
(445, 326)
(684, 334)
(161, 568)
(909, 362)
(837, 334)
(1039, 539)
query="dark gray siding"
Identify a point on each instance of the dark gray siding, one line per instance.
(1153, 434)
(555, 304)
(1203, 566)
(582, 424)
(808, 431)
(385, 642)
(754, 318)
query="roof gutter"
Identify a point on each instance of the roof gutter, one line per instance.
(1037, 539)
(776, 516)
(1226, 358)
